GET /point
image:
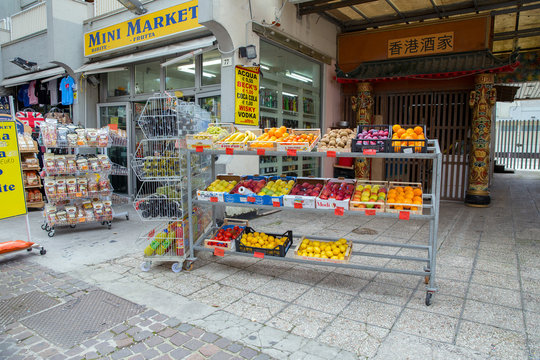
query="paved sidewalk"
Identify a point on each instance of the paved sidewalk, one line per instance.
(487, 305)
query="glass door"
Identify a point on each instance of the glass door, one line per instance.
(118, 115)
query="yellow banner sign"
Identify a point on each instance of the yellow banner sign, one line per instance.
(247, 96)
(421, 45)
(159, 24)
(11, 182)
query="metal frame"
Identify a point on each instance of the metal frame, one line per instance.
(434, 154)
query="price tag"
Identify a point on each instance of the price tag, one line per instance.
(369, 152)
(261, 151)
(298, 205)
(229, 151)
(213, 199)
(404, 215)
(78, 194)
(219, 252)
(291, 152)
(339, 211)
(259, 255)
(81, 220)
(370, 212)
(330, 154)
(198, 149)
(251, 199)
(275, 203)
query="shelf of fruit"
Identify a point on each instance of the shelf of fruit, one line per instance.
(339, 197)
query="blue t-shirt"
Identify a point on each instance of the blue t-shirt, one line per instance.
(66, 87)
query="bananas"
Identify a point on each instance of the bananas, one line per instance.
(240, 137)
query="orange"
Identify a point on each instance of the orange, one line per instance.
(398, 189)
(395, 136)
(399, 207)
(409, 131)
(418, 130)
(396, 128)
(400, 132)
(414, 136)
(278, 133)
(285, 135)
(283, 129)
(414, 208)
(408, 188)
(417, 191)
(416, 200)
(271, 132)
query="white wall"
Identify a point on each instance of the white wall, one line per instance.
(518, 110)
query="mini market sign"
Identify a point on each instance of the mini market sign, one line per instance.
(159, 24)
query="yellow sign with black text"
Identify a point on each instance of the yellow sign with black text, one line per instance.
(246, 92)
(152, 26)
(12, 200)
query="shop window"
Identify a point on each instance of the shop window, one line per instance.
(147, 78)
(180, 75)
(212, 104)
(118, 83)
(211, 72)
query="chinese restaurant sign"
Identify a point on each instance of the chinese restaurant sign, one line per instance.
(11, 181)
(421, 45)
(246, 104)
(159, 24)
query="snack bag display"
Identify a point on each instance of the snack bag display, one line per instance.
(61, 189)
(93, 164)
(61, 166)
(71, 165)
(81, 137)
(103, 137)
(71, 184)
(104, 162)
(48, 134)
(49, 163)
(92, 137)
(50, 187)
(82, 186)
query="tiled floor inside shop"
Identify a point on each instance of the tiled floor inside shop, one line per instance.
(488, 275)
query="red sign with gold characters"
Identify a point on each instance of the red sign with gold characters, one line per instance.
(421, 45)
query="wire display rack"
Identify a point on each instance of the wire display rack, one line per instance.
(430, 214)
(162, 165)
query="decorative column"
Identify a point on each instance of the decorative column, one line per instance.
(482, 99)
(362, 103)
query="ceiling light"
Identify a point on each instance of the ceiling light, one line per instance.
(134, 6)
(264, 67)
(298, 77)
(192, 71)
(288, 94)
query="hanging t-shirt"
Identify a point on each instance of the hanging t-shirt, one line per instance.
(52, 86)
(66, 87)
(42, 93)
(32, 98)
(22, 95)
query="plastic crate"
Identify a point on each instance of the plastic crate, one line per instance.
(359, 145)
(378, 205)
(409, 146)
(280, 250)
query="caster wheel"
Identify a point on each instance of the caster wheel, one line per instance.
(72, 226)
(188, 265)
(145, 266)
(127, 217)
(43, 226)
(426, 279)
(29, 249)
(103, 223)
(42, 251)
(176, 267)
(428, 298)
(109, 225)
(51, 232)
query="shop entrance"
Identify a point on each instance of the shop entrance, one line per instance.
(118, 115)
(447, 117)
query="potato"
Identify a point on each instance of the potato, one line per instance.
(341, 144)
(332, 143)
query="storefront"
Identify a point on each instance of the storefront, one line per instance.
(179, 57)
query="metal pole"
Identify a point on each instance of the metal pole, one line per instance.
(190, 203)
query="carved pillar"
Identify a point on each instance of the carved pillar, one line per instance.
(481, 99)
(362, 103)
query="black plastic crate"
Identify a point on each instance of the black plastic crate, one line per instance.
(411, 146)
(359, 145)
(280, 250)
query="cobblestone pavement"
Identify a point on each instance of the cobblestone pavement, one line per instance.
(487, 306)
(149, 335)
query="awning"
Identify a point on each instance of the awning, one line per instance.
(149, 54)
(432, 67)
(18, 80)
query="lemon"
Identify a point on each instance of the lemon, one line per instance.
(310, 254)
(316, 243)
(335, 251)
(317, 255)
(329, 253)
(343, 248)
(305, 241)
(334, 258)
(341, 257)
(323, 256)
(309, 249)
(303, 246)
(316, 250)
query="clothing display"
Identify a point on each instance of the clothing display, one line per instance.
(22, 95)
(52, 86)
(42, 93)
(66, 87)
(32, 98)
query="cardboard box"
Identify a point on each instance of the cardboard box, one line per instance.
(307, 202)
(205, 195)
(378, 206)
(397, 207)
(301, 146)
(333, 203)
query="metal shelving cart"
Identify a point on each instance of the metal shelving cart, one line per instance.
(162, 167)
(431, 214)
